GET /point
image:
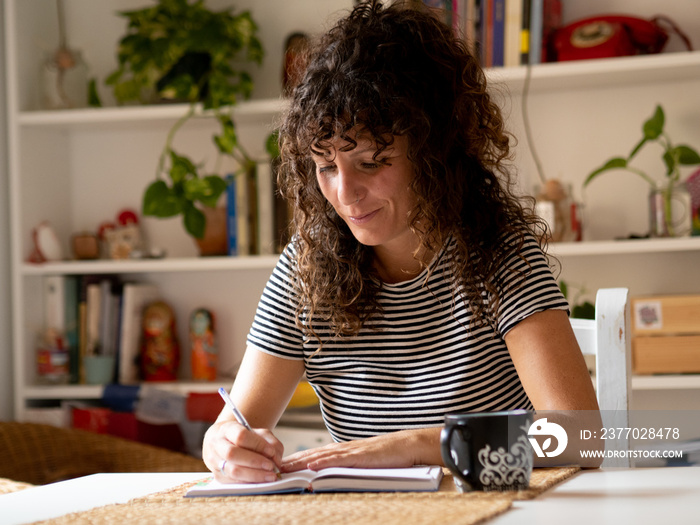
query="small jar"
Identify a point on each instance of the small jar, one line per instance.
(670, 212)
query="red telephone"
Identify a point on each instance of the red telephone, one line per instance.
(610, 36)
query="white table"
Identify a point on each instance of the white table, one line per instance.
(658, 496)
(661, 496)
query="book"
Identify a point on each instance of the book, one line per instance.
(266, 227)
(513, 26)
(55, 303)
(135, 297)
(337, 479)
(231, 215)
(93, 314)
(525, 34)
(498, 33)
(242, 213)
(536, 23)
(72, 288)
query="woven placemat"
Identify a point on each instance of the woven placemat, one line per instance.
(385, 508)
(9, 485)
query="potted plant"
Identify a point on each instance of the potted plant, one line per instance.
(662, 193)
(184, 52)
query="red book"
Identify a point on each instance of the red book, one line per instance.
(203, 406)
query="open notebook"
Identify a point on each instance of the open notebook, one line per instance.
(412, 479)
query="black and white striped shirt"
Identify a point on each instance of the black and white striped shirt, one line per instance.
(420, 360)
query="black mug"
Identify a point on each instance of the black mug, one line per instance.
(488, 450)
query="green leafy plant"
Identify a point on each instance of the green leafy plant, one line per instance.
(184, 52)
(673, 157)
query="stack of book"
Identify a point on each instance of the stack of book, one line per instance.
(98, 315)
(258, 218)
(503, 33)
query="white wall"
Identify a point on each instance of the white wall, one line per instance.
(5, 330)
(577, 130)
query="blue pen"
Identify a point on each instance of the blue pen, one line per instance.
(237, 413)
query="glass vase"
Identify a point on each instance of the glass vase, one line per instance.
(670, 211)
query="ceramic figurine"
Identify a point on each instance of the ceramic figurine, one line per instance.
(203, 351)
(294, 62)
(160, 352)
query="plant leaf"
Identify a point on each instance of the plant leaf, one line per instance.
(181, 167)
(670, 161)
(227, 140)
(687, 155)
(194, 221)
(654, 127)
(272, 144)
(160, 201)
(614, 163)
(206, 190)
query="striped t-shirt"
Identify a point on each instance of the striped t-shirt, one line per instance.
(420, 360)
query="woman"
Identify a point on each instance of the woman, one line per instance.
(414, 285)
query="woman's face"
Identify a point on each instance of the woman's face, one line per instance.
(373, 199)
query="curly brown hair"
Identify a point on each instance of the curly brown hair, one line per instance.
(398, 70)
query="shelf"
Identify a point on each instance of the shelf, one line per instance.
(632, 246)
(666, 382)
(601, 73)
(142, 115)
(45, 392)
(189, 264)
(577, 74)
(658, 382)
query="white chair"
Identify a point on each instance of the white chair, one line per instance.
(608, 339)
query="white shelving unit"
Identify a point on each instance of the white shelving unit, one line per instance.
(76, 168)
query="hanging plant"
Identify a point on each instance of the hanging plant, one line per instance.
(184, 52)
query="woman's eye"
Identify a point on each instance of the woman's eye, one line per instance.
(369, 165)
(325, 169)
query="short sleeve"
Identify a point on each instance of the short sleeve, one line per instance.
(274, 329)
(528, 286)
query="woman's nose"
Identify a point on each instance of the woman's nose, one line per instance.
(350, 189)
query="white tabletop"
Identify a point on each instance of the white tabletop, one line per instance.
(658, 496)
(75, 495)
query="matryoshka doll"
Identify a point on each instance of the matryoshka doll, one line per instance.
(160, 351)
(203, 351)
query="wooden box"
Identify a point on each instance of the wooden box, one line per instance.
(666, 334)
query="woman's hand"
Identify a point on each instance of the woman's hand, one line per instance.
(235, 454)
(398, 449)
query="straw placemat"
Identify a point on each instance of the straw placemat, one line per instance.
(386, 508)
(9, 485)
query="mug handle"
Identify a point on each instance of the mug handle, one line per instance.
(446, 451)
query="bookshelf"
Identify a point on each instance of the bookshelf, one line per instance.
(78, 167)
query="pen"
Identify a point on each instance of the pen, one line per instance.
(239, 417)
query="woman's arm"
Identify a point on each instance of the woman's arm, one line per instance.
(263, 387)
(555, 376)
(404, 448)
(550, 363)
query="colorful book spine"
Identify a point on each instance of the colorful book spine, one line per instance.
(536, 24)
(266, 223)
(498, 33)
(72, 325)
(513, 25)
(525, 33)
(231, 215)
